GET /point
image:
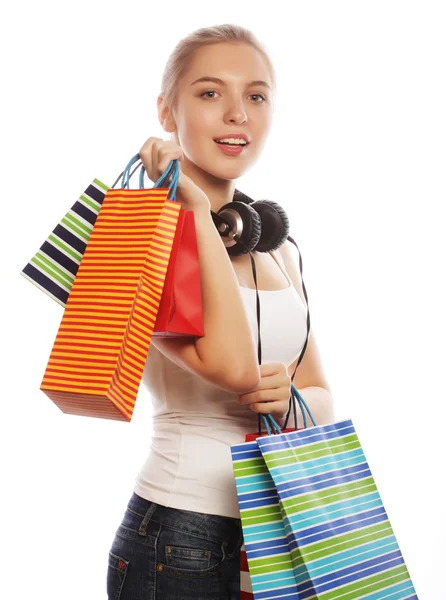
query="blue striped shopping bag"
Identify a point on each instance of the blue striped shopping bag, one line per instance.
(339, 536)
(271, 573)
(266, 566)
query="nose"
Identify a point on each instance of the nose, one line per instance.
(236, 113)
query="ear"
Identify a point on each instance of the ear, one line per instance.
(164, 117)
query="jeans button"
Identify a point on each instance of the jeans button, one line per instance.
(159, 567)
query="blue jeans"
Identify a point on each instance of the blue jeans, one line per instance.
(161, 553)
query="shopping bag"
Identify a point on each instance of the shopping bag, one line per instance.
(268, 572)
(181, 307)
(246, 590)
(341, 542)
(96, 363)
(54, 266)
(266, 569)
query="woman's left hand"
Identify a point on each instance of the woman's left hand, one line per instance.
(273, 394)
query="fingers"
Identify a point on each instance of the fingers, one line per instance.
(163, 152)
(156, 155)
(278, 408)
(266, 395)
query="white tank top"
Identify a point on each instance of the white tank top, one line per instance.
(195, 423)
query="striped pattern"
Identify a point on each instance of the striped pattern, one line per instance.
(245, 580)
(98, 357)
(53, 268)
(268, 556)
(341, 541)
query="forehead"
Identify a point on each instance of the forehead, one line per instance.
(228, 61)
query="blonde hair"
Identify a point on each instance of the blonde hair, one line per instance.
(183, 51)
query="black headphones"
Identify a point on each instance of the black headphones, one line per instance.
(244, 225)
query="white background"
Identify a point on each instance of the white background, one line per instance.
(357, 159)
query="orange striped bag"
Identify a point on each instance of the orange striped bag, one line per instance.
(98, 357)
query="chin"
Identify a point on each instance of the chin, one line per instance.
(228, 169)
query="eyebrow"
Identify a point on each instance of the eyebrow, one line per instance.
(221, 82)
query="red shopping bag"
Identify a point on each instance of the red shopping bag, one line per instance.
(181, 309)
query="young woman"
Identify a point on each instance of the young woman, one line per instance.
(181, 535)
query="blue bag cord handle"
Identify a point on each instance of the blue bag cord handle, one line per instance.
(271, 423)
(172, 170)
(267, 427)
(121, 174)
(164, 177)
(303, 405)
(125, 181)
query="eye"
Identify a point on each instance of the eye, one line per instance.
(208, 92)
(259, 96)
(264, 99)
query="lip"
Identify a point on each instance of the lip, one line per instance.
(243, 136)
(232, 150)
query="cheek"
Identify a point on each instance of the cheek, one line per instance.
(198, 120)
(195, 135)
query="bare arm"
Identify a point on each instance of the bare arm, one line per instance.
(228, 344)
(226, 355)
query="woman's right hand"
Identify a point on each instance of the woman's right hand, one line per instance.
(156, 155)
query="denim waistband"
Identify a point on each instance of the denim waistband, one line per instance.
(203, 524)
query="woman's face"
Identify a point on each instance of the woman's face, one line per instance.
(206, 110)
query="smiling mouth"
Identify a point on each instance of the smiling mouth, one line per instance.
(232, 145)
(229, 144)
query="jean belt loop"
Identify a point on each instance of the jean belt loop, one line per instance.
(147, 517)
(223, 549)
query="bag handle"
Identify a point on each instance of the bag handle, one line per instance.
(271, 425)
(119, 176)
(171, 171)
(302, 405)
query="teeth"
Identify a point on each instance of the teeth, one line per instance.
(232, 141)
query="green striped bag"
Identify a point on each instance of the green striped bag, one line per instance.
(270, 567)
(54, 266)
(341, 542)
(266, 568)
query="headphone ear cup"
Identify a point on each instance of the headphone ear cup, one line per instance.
(275, 225)
(245, 222)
